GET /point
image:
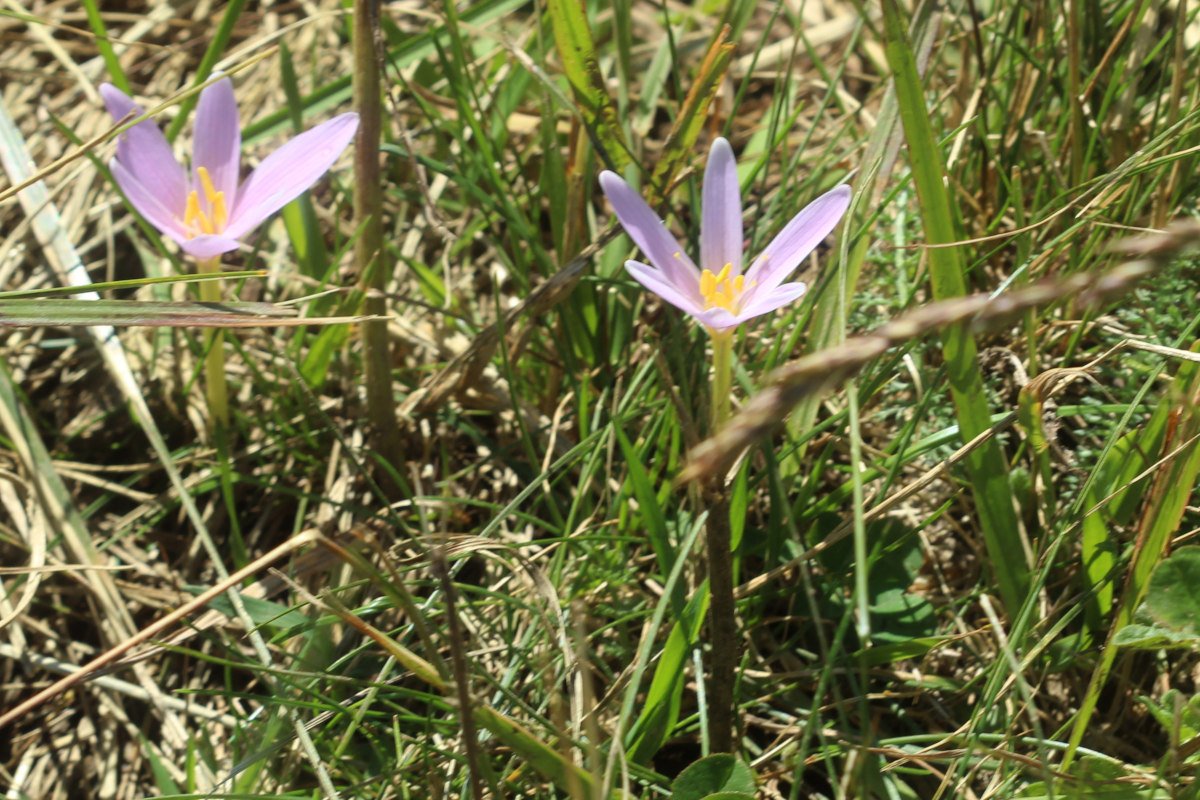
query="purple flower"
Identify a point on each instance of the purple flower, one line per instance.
(208, 211)
(719, 295)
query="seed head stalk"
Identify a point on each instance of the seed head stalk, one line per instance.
(215, 387)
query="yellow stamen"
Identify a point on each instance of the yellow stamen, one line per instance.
(218, 215)
(194, 216)
(722, 290)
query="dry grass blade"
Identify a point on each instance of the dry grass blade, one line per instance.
(464, 370)
(827, 369)
(115, 653)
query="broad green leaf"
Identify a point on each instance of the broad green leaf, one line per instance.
(1173, 600)
(660, 713)
(714, 775)
(1152, 637)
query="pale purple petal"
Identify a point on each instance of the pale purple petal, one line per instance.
(797, 239)
(717, 319)
(146, 154)
(287, 172)
(218, 139)
(208, 245)
(649, 233)
(149, 204)
(765, 302)
(657, 282)
(721, 209)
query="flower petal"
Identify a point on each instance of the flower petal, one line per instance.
(146, 154)
(208, 245)
(717, 319)
(797, 239)
(649, 233)
(657, 282)
(721, 207)
(148, 203)
(287, 172)
(766, 302)
(217, 139)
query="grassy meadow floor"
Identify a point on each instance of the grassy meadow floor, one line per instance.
(962, 564)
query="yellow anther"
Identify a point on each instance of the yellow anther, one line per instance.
(220, 215)
(210, 191)
(194, 216)
(216, 200)
(722, 290)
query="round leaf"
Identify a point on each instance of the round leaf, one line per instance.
(719, 776)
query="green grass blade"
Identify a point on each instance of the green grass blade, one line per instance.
(573, 40)
(986, 466)
(186, 314)
(1112, 489)
(299, 218)
(216, 46)
(111, 63)
(682, 139)
(1160, 519)
(660, 711)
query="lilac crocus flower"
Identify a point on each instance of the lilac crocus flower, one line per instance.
(719, 295)
(208, 212)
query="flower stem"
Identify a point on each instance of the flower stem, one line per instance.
(722, 380)
(368, 248)
(723, 632)
(214, 353)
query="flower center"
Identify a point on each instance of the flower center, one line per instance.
(721, 290)
(212, 215)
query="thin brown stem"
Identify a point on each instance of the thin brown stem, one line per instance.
(368, 249)
(462, 676)
(722, 620)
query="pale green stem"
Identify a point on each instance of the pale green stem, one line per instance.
(723, 632)
(214, 358)
(722, 380)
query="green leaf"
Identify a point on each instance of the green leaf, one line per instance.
(649, 508)
(1178, 714)
(1152, 637)
(714, 776)
(1173, 600)
(1113, 496)
(660, 711)
(573, 40)
(124, 313)
(677, 149)
(264, 613)
(986, 464)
